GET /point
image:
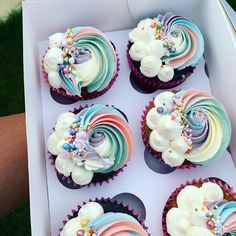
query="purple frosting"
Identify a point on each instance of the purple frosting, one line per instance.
(199, 125)
(97, 138)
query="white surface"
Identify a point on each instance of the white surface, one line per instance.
(152, 188)
(230, 12)
(38, 24)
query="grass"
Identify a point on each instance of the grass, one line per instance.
(232, 3)
(11, 66)
(16, 223)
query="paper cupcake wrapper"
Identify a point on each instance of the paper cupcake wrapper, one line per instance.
(108, 205)
(229, 195)
(98, 178)
(145, 131)
(84, 93)
(153, 84)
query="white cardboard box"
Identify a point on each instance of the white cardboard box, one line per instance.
(42, 18)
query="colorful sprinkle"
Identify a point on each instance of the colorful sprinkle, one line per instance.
(160, 110)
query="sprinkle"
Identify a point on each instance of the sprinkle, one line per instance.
(63, 54)
(80, 232)
(66, 59)
(72, 132)
(64, 43)
(154, 25)
(70, 41)
(172, 49)
(66, 146)
(210, 224)
(160, 110)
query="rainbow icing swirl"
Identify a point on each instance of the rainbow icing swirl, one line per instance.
(189, 125)
(115, 224)
(186, 38)
(96, 140)
(82, 57)
(165, 43)
(227, 213)
(92, 221)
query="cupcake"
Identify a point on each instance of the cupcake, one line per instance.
(80, 63)
(162, 52)
(103, 218)
(90, 145)
(186, 128)
(201, 208)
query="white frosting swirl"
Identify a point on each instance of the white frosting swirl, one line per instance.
(172, 158)
(71, 227)
(151, 119)
(149, 51)
(155, 48)
(166, 73)
(67, 166)
(198, 231)
(56, 39)
(86, 214)
(212, 192)
(168, 128)
(81, 175)
(52, 143)
(63, 124)
(143, 32)
(192, 209)
(178, 222)
(157, 142)
(138, 51)
(166, 97)
(63, 165)
(52, 58)
(54, 79)
(198, 216)
(89, 212)
(150, 66)
(190, 198)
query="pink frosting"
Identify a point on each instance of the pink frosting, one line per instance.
(119, 123)
(120, 227)
(192, 96)
(230, 222)
(92, 31)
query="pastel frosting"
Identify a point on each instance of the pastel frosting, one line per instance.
(227, 213)
(96, 140)
(184, 126)
(82, 57)
(92, 221)
(202, 211)
(165, 43)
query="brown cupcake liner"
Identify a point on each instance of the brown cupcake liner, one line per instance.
(229, 195)
(98, 178)
(145, 131)
(108, 205)
(85, 95)
(153, 84)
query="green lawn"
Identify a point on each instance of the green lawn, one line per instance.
(11, 61)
